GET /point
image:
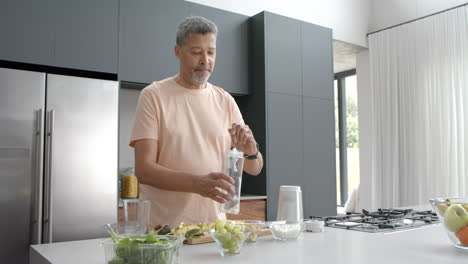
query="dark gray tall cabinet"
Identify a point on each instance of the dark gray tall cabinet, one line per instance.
(292, 86)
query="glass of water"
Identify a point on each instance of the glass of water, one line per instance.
(233, 167)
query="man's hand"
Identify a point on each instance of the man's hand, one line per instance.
(210, 185)
(243, 139)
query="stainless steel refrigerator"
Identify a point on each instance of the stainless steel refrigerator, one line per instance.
(58, 159)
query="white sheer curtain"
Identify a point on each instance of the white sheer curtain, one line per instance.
(419, 137)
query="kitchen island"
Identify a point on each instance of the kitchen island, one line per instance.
(425, 245)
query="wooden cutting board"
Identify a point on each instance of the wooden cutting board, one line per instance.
(208, 239)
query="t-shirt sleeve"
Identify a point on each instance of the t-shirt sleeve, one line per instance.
(146, 123)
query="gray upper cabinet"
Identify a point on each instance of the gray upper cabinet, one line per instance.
(65, 33)
(231, 68)
(147, 38)
(86, 34)
(283, 54)
(319, 157)
(26, 31)
(317, 61)
(284, 142)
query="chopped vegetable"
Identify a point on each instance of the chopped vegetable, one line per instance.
(194, 233)
(164, 230)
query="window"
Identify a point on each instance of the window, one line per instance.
(346, 134)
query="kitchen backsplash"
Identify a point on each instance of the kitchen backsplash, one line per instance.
(128, 100)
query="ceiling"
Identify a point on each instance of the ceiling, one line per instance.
(344, 55)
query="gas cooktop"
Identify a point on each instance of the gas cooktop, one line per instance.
(382, 220)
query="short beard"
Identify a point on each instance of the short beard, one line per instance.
(199, 80)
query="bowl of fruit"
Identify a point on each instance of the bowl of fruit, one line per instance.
(453, 214)
(229, 238)
(252, 226)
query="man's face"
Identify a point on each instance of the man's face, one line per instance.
(197, 57)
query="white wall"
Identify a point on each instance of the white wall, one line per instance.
(385, 13)
(128, 100)
(349, 19)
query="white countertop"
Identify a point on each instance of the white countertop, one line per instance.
(252, 197)
(243, 197)
(428, 245)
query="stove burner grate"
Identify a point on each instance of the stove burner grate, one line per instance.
(382, 220)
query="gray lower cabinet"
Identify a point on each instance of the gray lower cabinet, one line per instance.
(300, 137)
(86, 34)
(147, 38)
(284, 141)
(317, 61)
(26, 31)
(231, 68)
(65, 33)
(319, 185)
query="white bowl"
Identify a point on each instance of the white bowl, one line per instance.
(315, 226)
(286, 231)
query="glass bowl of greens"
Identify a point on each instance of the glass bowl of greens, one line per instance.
(142, 249)
(127, 229)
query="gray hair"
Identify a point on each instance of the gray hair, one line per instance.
(194, 24)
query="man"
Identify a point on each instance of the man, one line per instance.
(183, 128)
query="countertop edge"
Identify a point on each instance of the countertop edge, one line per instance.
(36, 257)
(243, 197)
(253, 197)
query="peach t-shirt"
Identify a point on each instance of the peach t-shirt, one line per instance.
(191, 127)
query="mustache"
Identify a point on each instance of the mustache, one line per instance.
(201, 68)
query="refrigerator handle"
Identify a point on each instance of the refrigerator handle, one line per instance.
(37, 213)
(47, 237)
